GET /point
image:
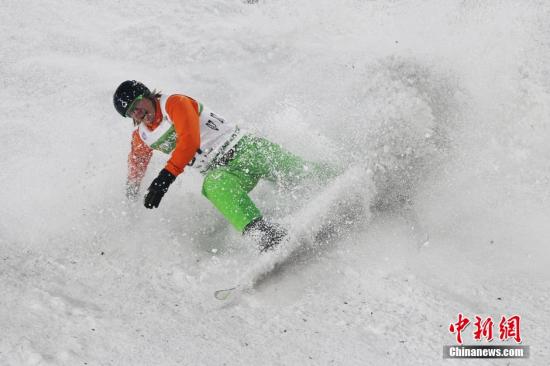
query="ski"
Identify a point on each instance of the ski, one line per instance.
(224, 294)
(315, 223)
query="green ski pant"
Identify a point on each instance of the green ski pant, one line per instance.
(227, 186)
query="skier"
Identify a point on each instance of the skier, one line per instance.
(231, 161)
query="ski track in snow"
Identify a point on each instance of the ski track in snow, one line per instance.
(446, 102)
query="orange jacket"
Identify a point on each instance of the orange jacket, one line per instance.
(183, 111)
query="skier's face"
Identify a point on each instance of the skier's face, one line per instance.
(142, 110)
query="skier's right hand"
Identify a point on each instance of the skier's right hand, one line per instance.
(132, 190)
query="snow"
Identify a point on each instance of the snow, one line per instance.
(447, 101)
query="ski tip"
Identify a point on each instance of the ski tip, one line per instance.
(224, 294)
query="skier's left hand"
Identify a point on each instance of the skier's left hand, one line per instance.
(158, 188)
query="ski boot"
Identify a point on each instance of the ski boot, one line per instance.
(266, 234)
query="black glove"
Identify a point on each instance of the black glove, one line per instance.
(158, 188)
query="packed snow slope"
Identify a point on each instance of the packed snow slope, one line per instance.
(442, 103)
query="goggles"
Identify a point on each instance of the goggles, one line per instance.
(132, 106)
